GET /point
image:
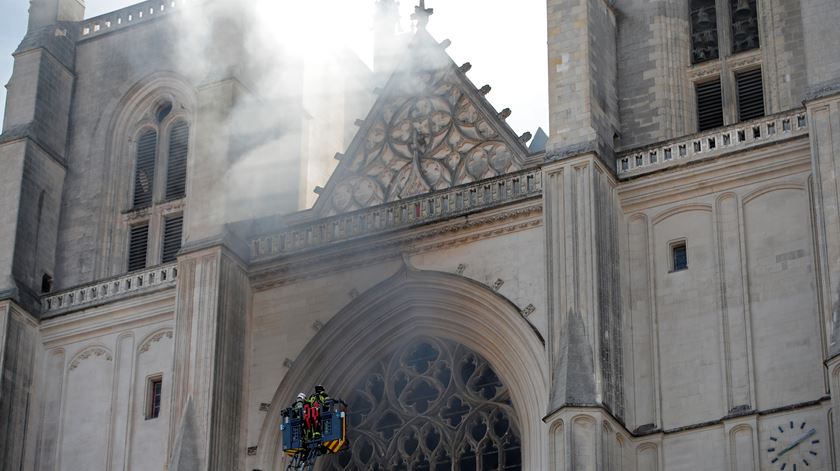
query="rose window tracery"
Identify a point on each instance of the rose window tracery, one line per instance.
(431, 405)
(429, 135)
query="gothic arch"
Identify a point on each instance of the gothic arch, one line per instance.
(133, 112)
(416, 303)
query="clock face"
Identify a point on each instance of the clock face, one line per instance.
(793, 446)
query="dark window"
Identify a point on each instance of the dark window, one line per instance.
(709, 105)
(176, 169)
(704, 38)
(153, 396)
(750, 94)
(144, 171)
(679, 257)
(137, 247)
(172, 230)
(744, 25)
(163, 111)
(46, 283)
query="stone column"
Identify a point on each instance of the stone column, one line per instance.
(824, 124)
(584, 338)
(212, 301)
(19, 341)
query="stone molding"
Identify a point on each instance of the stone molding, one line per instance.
(96, 351)
(125, 17)
(154, 338)
(408, 213)
(109, 290)
(437, 304)
(715, 143)
(379, 249)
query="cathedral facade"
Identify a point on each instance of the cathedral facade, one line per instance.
(654, 284)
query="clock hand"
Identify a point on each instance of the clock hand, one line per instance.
(797, 442)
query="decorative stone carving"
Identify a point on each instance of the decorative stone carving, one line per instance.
(92, 352)
(427, 132)
(157, 337)
(432, 404)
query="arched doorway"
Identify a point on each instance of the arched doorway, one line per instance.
(430, 405)
(463, 318)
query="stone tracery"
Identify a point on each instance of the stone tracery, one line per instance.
(431, 405)
(428, 135)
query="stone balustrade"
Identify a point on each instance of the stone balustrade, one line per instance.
(713, 143)
(126, 16)
(401, 214)
(112, 289)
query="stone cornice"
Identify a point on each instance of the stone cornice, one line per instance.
(372, 250)
(788, 158)
(397, 216)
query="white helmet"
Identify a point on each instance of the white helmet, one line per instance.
(301, 396)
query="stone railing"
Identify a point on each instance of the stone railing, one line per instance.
(713, 143)
(126, 16)
(414, 211)
(112, 289)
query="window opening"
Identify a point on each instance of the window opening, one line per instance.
(709, 105)
(163, 111)
(431, 405)
(172, 232)
(744, 25)
(704, 38)
(137, 247)
(176, 168)
(46, 283)
(679, 256)
(154, 391)
(144, 172)
(750, 94)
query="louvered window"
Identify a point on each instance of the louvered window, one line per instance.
(744, 25)
(137, 247)
(709, 105)
(750, 94)
(704, 37)
(144, 170)
(172, 230)
(176, 169)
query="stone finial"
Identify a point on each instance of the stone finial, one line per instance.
(465, 67)
(505, 113)
(421, 14)
(445, 43)
(525, 137)
(484, 90)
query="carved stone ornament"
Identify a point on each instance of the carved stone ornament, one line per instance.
(429, 130)
(93, 352)
(155, 338)
(432, 404)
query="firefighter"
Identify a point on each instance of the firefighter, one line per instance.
(298, 413)
(322, 397)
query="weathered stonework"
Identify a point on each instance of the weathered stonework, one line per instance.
(560, 276)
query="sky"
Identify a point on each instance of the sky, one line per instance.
(506, 45)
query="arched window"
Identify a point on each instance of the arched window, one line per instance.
(430, 405)
(144, 169)
(160, 179)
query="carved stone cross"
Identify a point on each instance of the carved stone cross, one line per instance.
(421, 14)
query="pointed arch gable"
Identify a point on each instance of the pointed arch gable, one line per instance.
(423, 303)
(430, 129)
